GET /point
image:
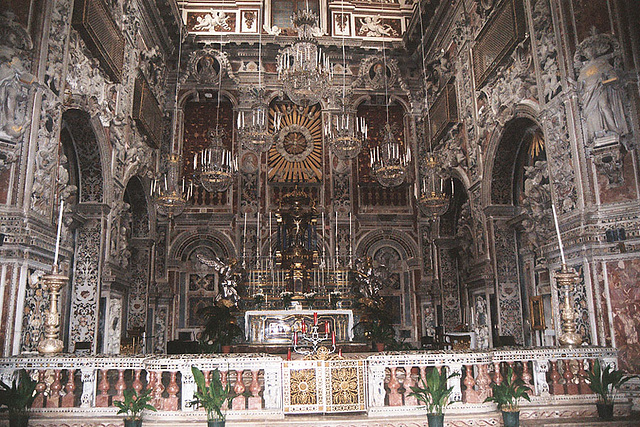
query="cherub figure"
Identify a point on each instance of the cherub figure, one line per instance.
(227, 273)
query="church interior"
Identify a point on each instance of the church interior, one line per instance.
(323, 200)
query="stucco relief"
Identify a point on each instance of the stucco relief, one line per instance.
(536, 203)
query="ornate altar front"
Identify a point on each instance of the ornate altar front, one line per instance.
(277, 326)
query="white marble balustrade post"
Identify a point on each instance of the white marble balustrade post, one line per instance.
(88, 377)
(272, 386)
(188, 388)
(456, 393)
(376, 385)
(540, 384)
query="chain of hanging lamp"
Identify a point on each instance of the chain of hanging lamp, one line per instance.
(215, 166)
(303, 69)
(432, 199)
(253, 125)
(389, 161)
(344, 130)
(171, 197)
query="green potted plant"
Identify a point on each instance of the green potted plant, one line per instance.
(220, 330)
(434, 393)
(506, 395)
(606, 383)
(18, 398)
(133, 405)
(211, 397)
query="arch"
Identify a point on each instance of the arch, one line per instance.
(90, 152)
(374, 240)
(502, 154)
(136, 197)
(187, 242)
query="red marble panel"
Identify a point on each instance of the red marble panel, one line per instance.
(5, 181)
(625, 306)
(621, 193)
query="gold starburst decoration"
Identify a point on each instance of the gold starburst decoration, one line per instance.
(344, 386)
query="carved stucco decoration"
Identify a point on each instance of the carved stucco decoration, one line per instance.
(464, 238)
(371, 73)
(16, 80)
(536, 204)
(205, 66)
(120, 220)
(545, 43)
(153, 67)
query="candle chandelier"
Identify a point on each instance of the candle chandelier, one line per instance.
(303, 69)
(388, 160)
(344, 131)
(215, 165)
(432, 200)
(253, 125)
(169, 196)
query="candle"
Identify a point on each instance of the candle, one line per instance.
(295, 338)
(288, 354)
(327, 327)
(333, 338)
(340, 352)
(315, 318)
(55, 257)
(303, 328)
(555, 220)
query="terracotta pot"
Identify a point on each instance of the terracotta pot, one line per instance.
(226, 349)
(379, 346)
(605, 411)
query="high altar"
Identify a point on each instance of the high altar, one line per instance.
(277, 326)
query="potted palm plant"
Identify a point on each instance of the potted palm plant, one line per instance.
(18, 398)
(606, 383)
(506, 395)
(220, 330)
(211, 397)
(434, 393)
(133, 405)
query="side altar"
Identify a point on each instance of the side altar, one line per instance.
(278, 326)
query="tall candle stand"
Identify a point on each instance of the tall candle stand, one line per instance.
(566, 279)
(308, 343)
(51, 343)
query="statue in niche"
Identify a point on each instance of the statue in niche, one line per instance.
(601, 93)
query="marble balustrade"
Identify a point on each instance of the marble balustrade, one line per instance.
(79, 383)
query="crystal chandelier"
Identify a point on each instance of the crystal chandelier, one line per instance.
(303, 69)
(345, 132)
(253, 126)
(215, 166)
(388, 160)
(432, 200)
(169, 196)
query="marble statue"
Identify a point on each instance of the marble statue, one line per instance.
(228, 273)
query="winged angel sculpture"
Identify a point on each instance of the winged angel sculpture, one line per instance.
(228, 273)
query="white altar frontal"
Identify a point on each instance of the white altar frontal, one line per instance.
(277, 326)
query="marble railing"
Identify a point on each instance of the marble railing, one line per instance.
(73, 384)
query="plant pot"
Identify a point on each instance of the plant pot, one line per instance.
(226, 349)
(435, 420)
(128, 422)
(18, 420)
(379, 346)
(605, 411)
(215, 423)
(511, 418)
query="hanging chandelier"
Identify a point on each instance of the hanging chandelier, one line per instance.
(303, 69)
(215, 166)
(170, 197)
(389, 161)
(432, 200)
(253, 125)
(345, 132)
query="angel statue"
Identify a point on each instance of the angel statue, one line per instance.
(228, 281)
(368, 278)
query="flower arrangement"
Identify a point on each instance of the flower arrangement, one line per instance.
(309, 298)
(334, 298)
(258, 299)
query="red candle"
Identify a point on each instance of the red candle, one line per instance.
(333, 338)
(340, 352)
(295, 338)
(288, 354)
(327, 328)
(315, 318)
(304, 328)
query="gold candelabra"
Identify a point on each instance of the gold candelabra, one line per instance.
(566, 279)
(51, 343)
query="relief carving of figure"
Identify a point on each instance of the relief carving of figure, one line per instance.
(601, 93)
(213, 19)
(372, 26)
